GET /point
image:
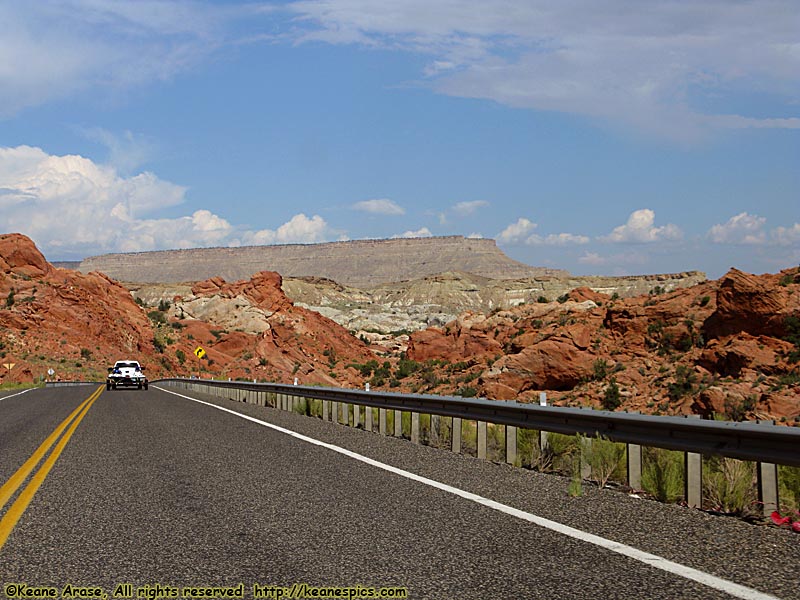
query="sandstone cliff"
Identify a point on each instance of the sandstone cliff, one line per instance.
(78, 324)
(729, 347)
(360, 263)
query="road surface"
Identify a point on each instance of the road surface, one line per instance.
(155, 489)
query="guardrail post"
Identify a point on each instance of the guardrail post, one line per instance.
(768, 482)
(586, 449)
(634, 454)
(326, 410)
(693, 481)
(368, 418)
(436, 428)
(511, 444)
(382, 421)
(345, 413)
(356, 415)
(415, 427)
(334, 412)
(398, 423)
(482, 439)
(456, 434)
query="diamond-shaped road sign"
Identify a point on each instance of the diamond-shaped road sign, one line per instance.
(199, 352)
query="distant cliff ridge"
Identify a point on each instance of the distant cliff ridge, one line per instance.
(359, 263)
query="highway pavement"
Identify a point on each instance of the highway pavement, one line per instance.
(153, 488)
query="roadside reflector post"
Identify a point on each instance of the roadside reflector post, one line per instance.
(544, 444)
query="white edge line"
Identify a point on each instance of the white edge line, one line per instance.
(17, 394)
(653, 560)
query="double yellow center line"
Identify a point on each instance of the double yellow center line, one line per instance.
(11, 486)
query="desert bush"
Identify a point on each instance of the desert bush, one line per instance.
(157, 317)
(789, 487)
(466, 391)
(663, 473)
(611, 396)
(600, 367)
(606, 458)
(684, 382)
(729, 485)
(576, 481)
(736, 409)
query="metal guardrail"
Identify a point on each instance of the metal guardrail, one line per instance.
(759, 442)
(50, 384)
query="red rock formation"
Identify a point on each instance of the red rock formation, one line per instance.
(712, 348)
(79, 324)
(753, 304)
(59, 319)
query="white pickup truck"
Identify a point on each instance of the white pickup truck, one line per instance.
(126, 373)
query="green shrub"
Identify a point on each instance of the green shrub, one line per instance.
(163, 305)
(611, 396)
(606, 459)
(736, 409)
(157, 317)
(466, 391)
(789, 484)
(600, 369)
(684, 382)
(181, 356)
(662, 473)
(729, 485)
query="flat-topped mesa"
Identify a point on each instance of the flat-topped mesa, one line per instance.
(359, 263)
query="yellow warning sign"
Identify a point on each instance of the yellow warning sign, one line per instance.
(199, 352)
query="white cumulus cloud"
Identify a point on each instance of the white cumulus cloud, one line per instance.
(557, 239)
(71, 206)
(517, 232)
(422, 232)
(640, 228)
(380, 206)
(786, 236)
(298, 230)
(743, 228)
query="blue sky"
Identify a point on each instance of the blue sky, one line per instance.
(598, 137)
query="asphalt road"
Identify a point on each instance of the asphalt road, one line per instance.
(154, 488)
